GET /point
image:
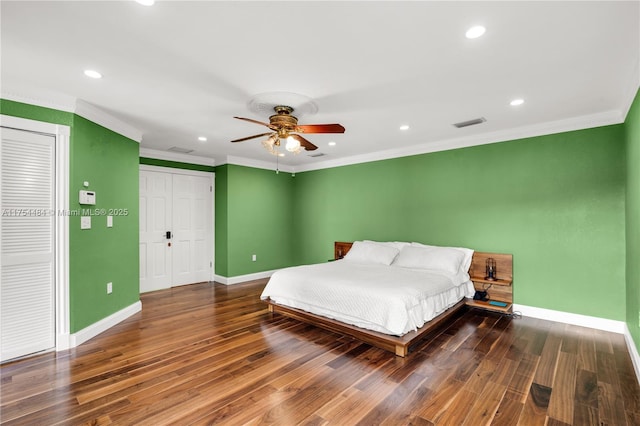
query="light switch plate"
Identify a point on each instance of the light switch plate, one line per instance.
(109, 221)
(85, 222)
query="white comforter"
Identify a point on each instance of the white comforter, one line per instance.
(388, 299)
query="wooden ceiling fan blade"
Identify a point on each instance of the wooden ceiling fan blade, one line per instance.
(320, 128)
(250, 120)
(251, 137)
(304, 143)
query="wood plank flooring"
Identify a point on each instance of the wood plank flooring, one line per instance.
(211, 354)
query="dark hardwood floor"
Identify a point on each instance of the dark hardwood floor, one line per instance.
(212, 354)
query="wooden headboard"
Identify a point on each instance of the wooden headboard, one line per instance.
(504, 262)
(340, 248)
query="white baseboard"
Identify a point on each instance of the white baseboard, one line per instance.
(574, 319)
(633, 351)
(242, 278)
(104, 324)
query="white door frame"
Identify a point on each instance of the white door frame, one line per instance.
(212, 175)
(61, 220)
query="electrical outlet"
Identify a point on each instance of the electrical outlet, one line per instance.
(253, 257)
(109, 288)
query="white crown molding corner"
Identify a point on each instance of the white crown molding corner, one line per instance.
(243, 278)
(633, 352)
(176, 156)
(632, 91)
(95, 114)
(60, 103)
(258, 164)
(577, 123)
(603, 324)
(81, 108)
(104, 324)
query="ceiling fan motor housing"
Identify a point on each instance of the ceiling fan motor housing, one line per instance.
(283, 121)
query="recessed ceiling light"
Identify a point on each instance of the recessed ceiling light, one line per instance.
(516, 102)
(404, 127)
(332, 143)
(475, 32)
(146, 2)
(202, 139)
(92, 74)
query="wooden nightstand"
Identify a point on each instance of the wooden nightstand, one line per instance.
(501, 289)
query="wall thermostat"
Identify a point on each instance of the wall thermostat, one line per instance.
(87, 197)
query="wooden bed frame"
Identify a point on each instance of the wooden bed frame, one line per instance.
(398, 344)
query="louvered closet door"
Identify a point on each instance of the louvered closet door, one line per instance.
(27, 243)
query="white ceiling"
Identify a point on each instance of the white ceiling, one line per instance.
(178, 70)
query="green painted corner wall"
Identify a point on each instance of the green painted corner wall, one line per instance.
(632, 127)
(221, 195)
(257, 207)
(555, 202)
(109, 162)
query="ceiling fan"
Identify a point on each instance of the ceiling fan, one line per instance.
(284, 126)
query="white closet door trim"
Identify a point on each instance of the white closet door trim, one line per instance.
(211, 175)
(161, 169)
(61, 224)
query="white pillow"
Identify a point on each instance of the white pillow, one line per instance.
(467, 252)
(369, 252)
(439, 258)
(395, 244)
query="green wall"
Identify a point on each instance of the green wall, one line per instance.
(109, 162)
(555, 202)
(254, 215)
(632, 127)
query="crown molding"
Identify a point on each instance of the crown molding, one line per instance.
(632, 91)
(258, 164)
(60, 103)
(176, 156)
(559, 126)
(98, 116)
(81, 108)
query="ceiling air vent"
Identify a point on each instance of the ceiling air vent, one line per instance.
(470, 122)
(319, 154)
(180, 150)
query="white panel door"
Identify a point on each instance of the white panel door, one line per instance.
(192, 225)
(181, 204)
(155, 220)
(27, 295)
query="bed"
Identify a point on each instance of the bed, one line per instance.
(388, 294)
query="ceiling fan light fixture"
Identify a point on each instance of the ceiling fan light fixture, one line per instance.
(271, 144)
(293, 145)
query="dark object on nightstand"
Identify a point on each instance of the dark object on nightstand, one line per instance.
(481, 295)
